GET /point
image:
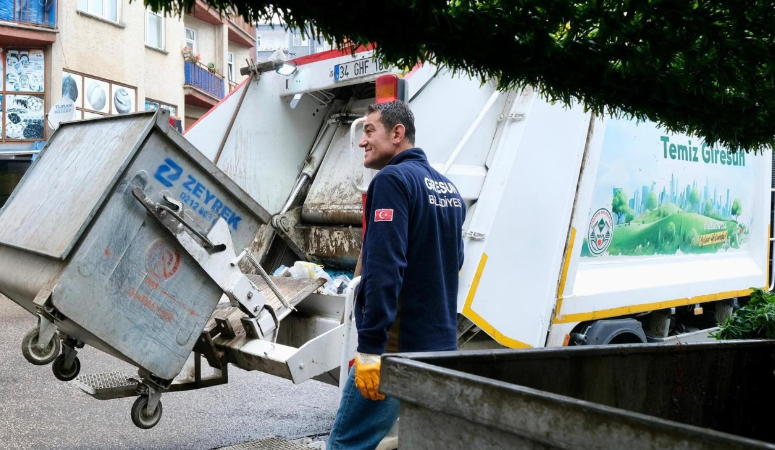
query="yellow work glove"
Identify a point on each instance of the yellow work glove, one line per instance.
(367, 375)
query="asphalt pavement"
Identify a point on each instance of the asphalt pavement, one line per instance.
(39, 412)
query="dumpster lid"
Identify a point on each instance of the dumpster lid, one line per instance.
(53, 209)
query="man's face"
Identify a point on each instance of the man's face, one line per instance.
(379, 144)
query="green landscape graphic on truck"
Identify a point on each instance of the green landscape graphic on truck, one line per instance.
(667, 194)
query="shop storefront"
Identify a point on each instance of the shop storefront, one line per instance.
(14, 162)
(22, 133)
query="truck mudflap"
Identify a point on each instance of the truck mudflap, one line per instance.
(612, 331)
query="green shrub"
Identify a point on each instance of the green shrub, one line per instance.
(756, 320)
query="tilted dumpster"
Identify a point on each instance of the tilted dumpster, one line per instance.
(122, 236)
(694, 396)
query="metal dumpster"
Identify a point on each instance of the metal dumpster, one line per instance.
(115, 245)
(694, 396)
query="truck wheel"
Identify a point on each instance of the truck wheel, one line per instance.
(63, 374)
(36, 355)
(140, 416)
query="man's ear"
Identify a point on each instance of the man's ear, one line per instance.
(399, 131)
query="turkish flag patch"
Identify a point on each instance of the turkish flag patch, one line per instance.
(383, 215)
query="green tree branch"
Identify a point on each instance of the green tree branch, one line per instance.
(703, 67)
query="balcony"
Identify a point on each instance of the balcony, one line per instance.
(205, 13)
(202, 87)
(28, 22)
(241, 32)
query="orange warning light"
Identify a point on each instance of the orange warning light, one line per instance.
(390, 87)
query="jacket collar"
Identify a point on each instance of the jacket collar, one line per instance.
(412, 154)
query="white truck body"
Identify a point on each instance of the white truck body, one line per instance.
(542, 181)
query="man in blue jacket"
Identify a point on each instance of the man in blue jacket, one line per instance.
(412, 254)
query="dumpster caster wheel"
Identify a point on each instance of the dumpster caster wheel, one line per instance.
(63, 374)
(36, 355)
(140, 415)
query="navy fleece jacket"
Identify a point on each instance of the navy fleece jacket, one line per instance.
(411, 258)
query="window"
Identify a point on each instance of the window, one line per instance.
(95, 97)
(154, 30)
(107, 9)
(230, 66)
(296, 39)
(191, 39)
(22, 95)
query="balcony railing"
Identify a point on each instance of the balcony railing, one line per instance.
(199, 77)
(40, 13)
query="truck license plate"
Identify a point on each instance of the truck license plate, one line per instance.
(359, 68)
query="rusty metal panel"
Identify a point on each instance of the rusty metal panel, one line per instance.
(332, 198)
(68, 182)
(337, 247)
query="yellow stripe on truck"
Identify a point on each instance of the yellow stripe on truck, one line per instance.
(564, 274)
(633, 309)
(479, 320)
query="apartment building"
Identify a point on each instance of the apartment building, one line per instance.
(110, 57)
(273, 36)
(225, 45)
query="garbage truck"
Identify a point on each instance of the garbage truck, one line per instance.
(580, 229)
(159, 248)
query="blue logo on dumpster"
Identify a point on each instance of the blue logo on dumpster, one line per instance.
(196, 195)
(168, 172)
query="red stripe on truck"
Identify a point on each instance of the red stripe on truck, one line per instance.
(331, 54)
(214, 107)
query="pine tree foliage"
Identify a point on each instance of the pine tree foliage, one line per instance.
(705, 67)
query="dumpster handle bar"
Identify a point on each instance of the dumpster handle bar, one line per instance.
(148, 204)
(246, 254)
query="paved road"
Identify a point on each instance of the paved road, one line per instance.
(38, 411)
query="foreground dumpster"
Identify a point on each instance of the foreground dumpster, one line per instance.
(127, 243)
(660, 397)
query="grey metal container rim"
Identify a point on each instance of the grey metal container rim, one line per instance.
(461, 394)
(588, 350)
(160, 122)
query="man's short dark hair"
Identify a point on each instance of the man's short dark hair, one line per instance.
(394, 113)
